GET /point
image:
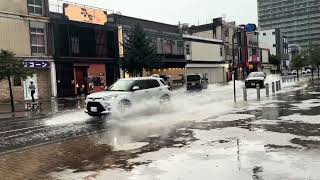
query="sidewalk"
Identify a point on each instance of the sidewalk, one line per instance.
(48, 107)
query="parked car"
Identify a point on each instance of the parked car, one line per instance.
(307, 71)
(126, 93)
(167, 79)
(197, 82)
(254, 79)
(294, 72)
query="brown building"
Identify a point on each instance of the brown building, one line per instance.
(85, 49)
(24, 31)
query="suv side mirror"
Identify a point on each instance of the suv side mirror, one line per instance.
(135, 88)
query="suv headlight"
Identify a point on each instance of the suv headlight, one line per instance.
(109, 97)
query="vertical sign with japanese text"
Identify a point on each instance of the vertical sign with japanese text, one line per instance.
(120, 41)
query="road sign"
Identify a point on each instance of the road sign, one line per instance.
(251, 27)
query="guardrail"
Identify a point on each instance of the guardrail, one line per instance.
(276, 86)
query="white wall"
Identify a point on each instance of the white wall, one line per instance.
(214, 74)
(265, 56)
(15, 35)
(267, 40)
(206, 52)
(205, 34)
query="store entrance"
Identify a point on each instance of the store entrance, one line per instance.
(81, 80)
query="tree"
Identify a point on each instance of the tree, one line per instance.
(140, 53)
(10, 66)
(275, 60)
(314, 57)
(299, 62)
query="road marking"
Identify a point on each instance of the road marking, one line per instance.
(33, 127)
(24, 133)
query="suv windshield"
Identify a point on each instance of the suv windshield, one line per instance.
(256, 74)
(193, 78)
(122, 85)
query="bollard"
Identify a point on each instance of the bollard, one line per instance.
(82, 101)
(267, 90)
(294, 79)
(273, 88)
(280, 86)
(277, 86)
(283, 80)
(258, 92)
(245, 97)
(54, 105)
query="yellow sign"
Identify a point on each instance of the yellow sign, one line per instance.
(84, 14)
(120, 41)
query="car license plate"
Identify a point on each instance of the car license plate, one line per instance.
(253, 84)
(94, 109)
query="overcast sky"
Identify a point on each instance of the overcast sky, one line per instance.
(185, 11)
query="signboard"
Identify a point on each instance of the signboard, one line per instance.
(84, 14)
(120, 41)
(36, 64)
(251, 27)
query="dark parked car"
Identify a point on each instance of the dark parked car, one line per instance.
(197, 82)
(167, 79)
(255, 78)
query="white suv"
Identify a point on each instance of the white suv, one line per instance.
(124, 93)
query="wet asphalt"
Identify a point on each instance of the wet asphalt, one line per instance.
(92, 146)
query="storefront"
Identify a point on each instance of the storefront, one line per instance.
(84, 78)
(41, 78)
(89, 78)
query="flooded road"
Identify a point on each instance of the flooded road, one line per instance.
(25, 132)
(199, 136)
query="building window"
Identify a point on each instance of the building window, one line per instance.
(273, 33)
(221, 51)
(264, 34)
(274, 45)
(226, 33)
(17, 81)
(37, 40)
(180, 47)
(35, 7)
(167, 47)
(75, 45)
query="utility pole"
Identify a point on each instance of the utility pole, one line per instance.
(309, 40)
(233, 67)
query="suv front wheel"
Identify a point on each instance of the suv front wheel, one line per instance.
(164, 98)
(124, 105)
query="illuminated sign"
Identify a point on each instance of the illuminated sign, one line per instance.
(84, 14)
(120, 40)
(36, 64)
